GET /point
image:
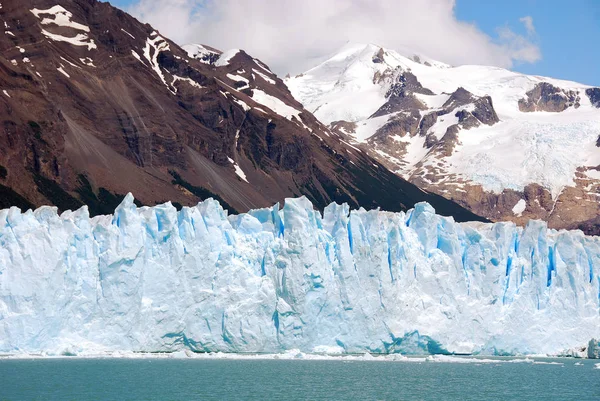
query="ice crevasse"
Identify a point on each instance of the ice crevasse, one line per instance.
(155, 279)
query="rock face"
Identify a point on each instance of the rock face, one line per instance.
(594, 95)
(155, 280)
(95, 104)
(473, 134)
(547, 97)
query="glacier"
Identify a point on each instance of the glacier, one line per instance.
(154, 279)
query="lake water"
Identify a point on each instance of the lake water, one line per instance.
(74, 379)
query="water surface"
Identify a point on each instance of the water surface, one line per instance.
(75, 379)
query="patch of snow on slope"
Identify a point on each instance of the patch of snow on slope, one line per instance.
(367, 128)
(188, 80)
(519, 207)
(238, 169)
(433, 101)
(62, 71)
(123, 30)
(264, 76)
(443, 123)
(226, 57)
(70, 63)
(62, 17)
(137, 56)
(80, 39)
(275, 104)
(198, 52)
(244, 106)
(88, 61)
(239, 78)
(234, 77)
(262, 65)
(415, 152)
(152, 50)
(593, 174)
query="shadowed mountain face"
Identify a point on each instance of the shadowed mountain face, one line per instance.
(95, 104)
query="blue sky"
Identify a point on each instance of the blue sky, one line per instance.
(566, 33)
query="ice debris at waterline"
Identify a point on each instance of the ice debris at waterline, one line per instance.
(154, 279)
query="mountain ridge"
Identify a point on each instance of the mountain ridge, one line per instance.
(506, 139)
(96, 104)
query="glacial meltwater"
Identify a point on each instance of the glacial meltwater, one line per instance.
(162, 379)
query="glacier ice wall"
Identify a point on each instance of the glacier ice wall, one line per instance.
(154, 279)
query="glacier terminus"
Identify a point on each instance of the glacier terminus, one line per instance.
(154, 279)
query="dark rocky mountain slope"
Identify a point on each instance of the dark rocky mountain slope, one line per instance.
(95, 104)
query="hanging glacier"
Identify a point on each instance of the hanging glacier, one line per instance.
(154, 279)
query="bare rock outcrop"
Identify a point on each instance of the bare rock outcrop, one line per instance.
(547, 97)
(594, 95)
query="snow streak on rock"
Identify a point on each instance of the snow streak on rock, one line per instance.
(63, 18)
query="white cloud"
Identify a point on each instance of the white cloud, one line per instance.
(521, 48)
(528, 22)
(290, 35)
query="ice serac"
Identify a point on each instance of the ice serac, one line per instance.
(155, 279)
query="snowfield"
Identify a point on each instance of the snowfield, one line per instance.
(523, 148)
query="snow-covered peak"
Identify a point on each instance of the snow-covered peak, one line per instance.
(348, 85)
(351, 84)
(505, 131)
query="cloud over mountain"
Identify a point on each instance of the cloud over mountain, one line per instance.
(292, 35)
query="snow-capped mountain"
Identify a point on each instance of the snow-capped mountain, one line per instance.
(506, 145)
(94, 104)
(155, 279)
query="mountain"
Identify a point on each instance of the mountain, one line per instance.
(508, 146)
(95, 104)
(153, 279)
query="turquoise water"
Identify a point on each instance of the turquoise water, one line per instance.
(173, 380)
